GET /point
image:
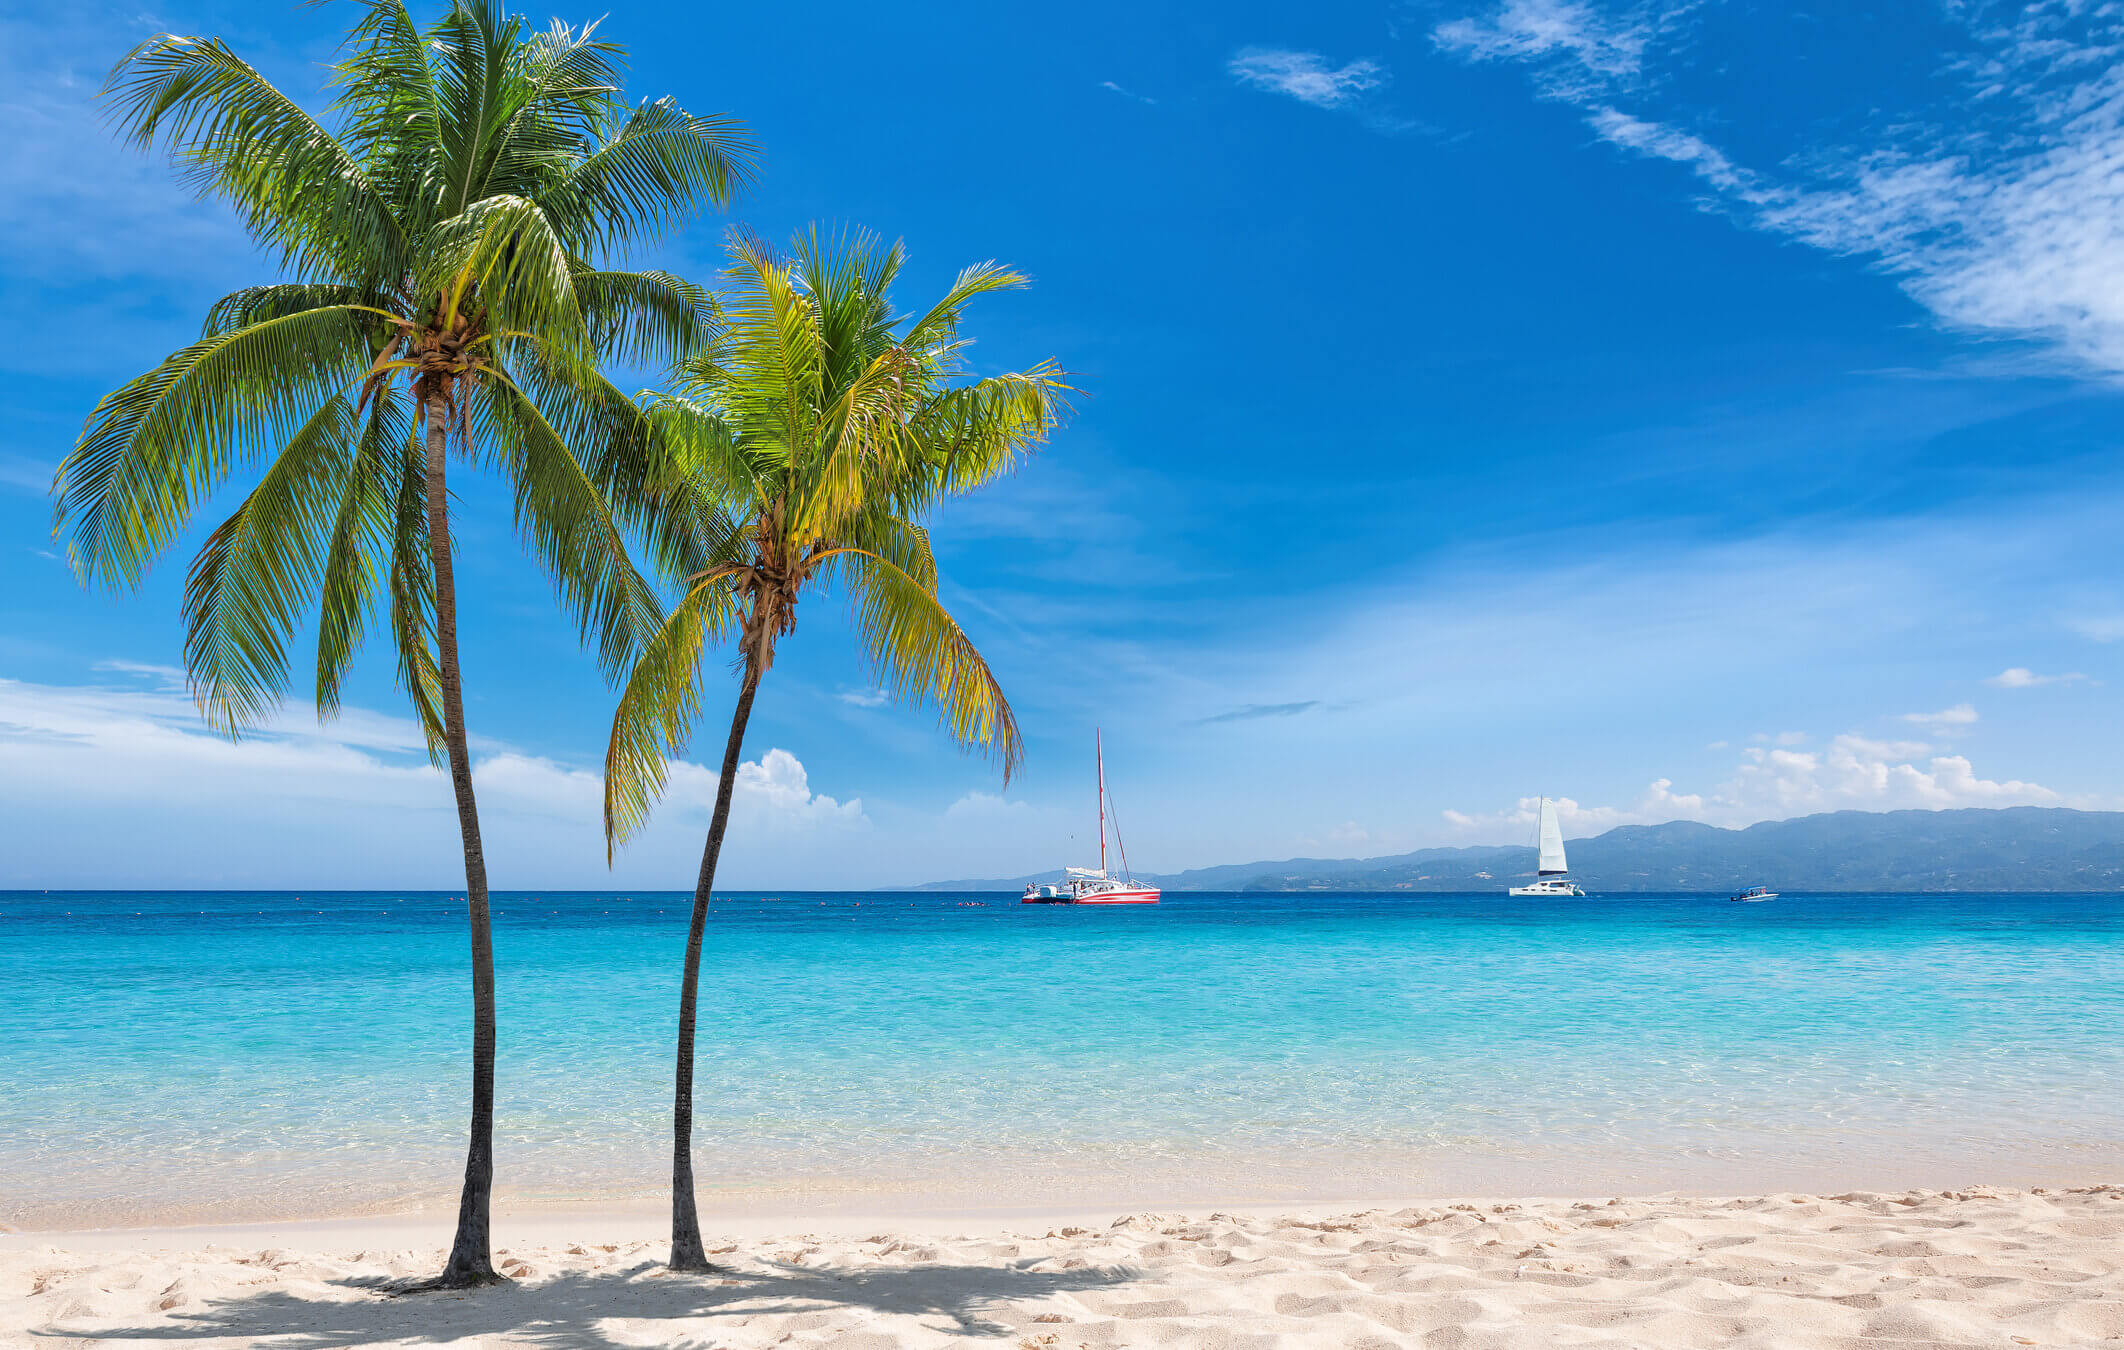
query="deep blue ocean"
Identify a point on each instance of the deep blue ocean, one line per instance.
(196, 1055)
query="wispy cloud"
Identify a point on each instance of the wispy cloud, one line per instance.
(1127, 93)
(1305, 76)
(2021, 677)
(1578, 49)
(167, 677)
(2007, 221)
(1665, 142)
(2098, 627)
(863, 698)
(1252, 711)
(26, 474)
(1946, 721)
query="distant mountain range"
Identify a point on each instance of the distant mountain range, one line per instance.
(2018, 848)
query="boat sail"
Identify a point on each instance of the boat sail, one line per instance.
(1550, 867)
(1552, 855)
(1081, 885)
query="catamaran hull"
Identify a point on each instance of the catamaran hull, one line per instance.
(1118, 898)
(1138, 897)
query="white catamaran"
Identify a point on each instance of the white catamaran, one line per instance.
(1081, 885)
(1551, 868)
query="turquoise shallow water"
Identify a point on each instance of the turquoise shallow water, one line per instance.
(192, 1056)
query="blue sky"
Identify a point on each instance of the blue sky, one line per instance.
(1695, 411)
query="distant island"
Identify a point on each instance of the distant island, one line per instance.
(2016, 848)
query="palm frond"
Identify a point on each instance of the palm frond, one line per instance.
(300, 192)
(647, 318)
(658, 705)
(621, 452)
(770, 332)
(412, 586)
(501, 254)
(860, 442)
(848, 276)
(472, 44)
(257, 571)
(898, 541)
(652, 170)
(155, 446)
(920, 653)
(560, 90)
(255, 304)
(706, 485)
(569, 526)
(980, 431)
(359, 549)
(387, 95)
(940, 325)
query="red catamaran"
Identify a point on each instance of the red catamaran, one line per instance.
(1081, 885)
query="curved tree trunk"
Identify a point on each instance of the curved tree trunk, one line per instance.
(470, 1262)
(686, 1249)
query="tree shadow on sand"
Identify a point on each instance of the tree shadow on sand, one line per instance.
(565, 1311)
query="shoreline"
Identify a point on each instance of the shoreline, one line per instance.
(1975, 1266)
(1050, 1188)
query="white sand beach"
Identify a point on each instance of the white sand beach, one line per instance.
(1978, 1267)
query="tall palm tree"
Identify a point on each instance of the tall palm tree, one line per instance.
(814, 435)
(438, 288)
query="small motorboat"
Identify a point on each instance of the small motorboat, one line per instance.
(1753, 895)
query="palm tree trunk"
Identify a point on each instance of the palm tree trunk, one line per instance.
(686, 1249)
(470, 1262)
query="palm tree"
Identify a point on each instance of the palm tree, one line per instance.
(814, 434)
(438, 287)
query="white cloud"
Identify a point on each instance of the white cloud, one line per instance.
(1305, 76)
(1127, 93)
(1858, 773)
(1946, 720)
(1574, 42)
(1772, 783)
(2008, 221)
(976, 808)
(2021, 677)
(2098, 627)
(863, 698)
(774, 789)
(1659, 802)
(1666, 142)
(299, 803)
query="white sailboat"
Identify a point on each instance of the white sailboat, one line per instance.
(1081, 885)
(1548, 836)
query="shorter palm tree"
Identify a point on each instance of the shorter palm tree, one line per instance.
(810, 440)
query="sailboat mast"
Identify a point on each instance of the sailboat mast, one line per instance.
(1099, 752)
